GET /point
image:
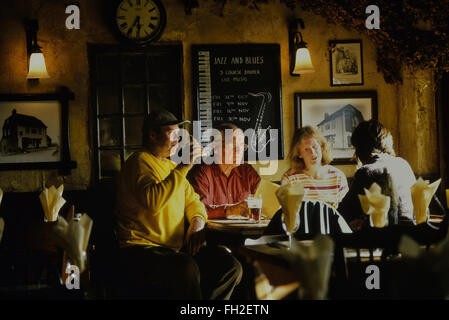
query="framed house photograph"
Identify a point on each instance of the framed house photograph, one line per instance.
(336, 115)
(35, 131)
(346, 62)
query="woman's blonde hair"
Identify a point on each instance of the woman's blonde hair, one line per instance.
(297, 163)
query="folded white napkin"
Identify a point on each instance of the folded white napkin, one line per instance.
(267, 190)
(311, 264)
(52, 201)
(73, 237)
(263, 287)
(436, 258)
(424, 270)
(422, 193)
(375, 204)
(290, 197)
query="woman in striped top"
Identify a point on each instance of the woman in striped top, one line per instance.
(309, 160)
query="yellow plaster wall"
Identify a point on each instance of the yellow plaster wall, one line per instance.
(407, 110)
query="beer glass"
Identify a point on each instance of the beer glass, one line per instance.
(254, 207)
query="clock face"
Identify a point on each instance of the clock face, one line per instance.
(140, 21)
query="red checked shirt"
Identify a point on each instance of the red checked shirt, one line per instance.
(216, 190)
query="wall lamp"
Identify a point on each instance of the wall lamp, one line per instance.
(300, 61)
(36, 68)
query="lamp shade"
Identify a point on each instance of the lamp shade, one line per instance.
(37, 67)
(303, 63)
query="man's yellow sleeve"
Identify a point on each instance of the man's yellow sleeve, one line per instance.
(153, 194)
(194, 207)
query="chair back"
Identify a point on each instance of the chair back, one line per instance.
(316, 217)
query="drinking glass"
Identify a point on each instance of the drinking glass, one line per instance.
(293, 228)
(254, 207)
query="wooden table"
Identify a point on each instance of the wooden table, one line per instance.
(268, 256)
(234, 232)
(240, 227)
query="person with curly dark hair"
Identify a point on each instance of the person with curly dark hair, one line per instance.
(373, 145)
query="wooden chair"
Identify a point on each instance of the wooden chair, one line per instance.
(316, 217)
(364, 245)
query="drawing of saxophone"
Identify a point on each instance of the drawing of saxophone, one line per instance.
(259, 143)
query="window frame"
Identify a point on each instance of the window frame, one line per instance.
(95, 115)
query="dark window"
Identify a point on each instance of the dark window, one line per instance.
(330, 138)
(350, 123)
(126, 85)
(33, 131)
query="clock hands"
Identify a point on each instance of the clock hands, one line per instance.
(130, 30)
(137, 24)
(139, 21)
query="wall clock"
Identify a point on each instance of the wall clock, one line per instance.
(140, 21)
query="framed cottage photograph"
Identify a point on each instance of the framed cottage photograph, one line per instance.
(35, 131)
(346, 62)
(336, 115)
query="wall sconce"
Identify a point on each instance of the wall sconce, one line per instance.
(36, 63)
(300, 61)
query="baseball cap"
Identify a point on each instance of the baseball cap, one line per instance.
(162, 118)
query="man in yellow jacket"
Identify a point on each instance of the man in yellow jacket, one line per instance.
(154, 200)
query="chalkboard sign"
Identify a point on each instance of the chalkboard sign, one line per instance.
(241, 84)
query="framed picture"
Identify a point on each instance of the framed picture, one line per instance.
(336, 115)
(346, 63)
(35, 131)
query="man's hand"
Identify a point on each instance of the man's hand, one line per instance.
(238, 210)
(195, 237)
(196, 152)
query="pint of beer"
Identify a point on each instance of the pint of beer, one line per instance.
(254, 207)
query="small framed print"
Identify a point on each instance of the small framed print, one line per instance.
(346, 62)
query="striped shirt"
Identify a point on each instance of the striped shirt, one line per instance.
(331, 188)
